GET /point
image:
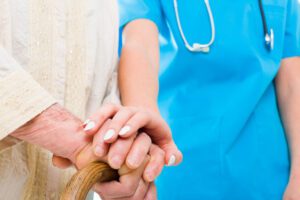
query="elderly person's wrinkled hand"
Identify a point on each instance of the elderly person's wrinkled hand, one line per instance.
(127, 150)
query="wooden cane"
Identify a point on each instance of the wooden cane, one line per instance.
(82, 182)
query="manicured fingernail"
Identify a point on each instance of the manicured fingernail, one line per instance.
(124, 130)
(172, 160)
(109, 134)
(98, 151)
(86, 122)
(90, 125)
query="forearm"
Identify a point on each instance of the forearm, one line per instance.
(56, 130)
(290, 111)
(139, 65)
(288, 91)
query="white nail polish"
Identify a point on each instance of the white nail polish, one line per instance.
(86, 122)
(90, 125)
(109, 134)
(124, 130)
(172, 160)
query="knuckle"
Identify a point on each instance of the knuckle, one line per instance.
(157, 165)
(115, 124)
(131, 108)
(128, 111)
(102, 116)
(112, 106)
(161, 153)
(144, 113)
(145, 137)
(157, 151)
(155, 169)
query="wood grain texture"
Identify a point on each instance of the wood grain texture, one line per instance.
(81, 183)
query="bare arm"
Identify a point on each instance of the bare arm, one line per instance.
(139, 65)
(288, 90)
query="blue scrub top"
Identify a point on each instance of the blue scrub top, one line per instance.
(222, 106)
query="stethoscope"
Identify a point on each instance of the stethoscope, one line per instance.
(205, 48)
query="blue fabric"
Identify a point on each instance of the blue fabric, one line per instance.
(222, 106)
(292, 32)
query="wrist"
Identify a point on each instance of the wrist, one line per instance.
(151, 107)
(56, 130)
(295, 170)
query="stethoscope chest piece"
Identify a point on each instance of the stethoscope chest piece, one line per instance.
(205, 48)
(269, 39)
(199, 48)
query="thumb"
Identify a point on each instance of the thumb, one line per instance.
(61, 162)
(162, 136)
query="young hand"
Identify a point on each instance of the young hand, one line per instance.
(131, 151)
(127, 122)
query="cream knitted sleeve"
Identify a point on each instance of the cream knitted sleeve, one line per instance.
(21, 97)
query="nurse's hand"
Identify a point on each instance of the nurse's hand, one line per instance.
(123, 151)
(126, 123)
(131, 186)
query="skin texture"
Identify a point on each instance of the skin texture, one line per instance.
(139, 88)
(139, 65)
(135, 118)
(52, 125)
(57, 124)
(140, 57)
(138, 81)
(288, 92)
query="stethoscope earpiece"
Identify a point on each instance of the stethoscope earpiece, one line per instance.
(205, 48)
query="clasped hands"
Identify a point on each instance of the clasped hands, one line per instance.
(136, 142)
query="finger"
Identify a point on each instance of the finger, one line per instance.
(94, 122)
(155, 165)
(61, 162)
(136, 122)
(118, 152)
(99, 146)
(126, 187)
(138, 151)
(160, 135)
(140, 193)
(141, 190)
(118, 121)
(173, 155)
(152, 193)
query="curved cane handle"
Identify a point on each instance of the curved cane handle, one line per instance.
(81, 183)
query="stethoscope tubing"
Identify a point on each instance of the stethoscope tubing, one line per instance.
(205, 48)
